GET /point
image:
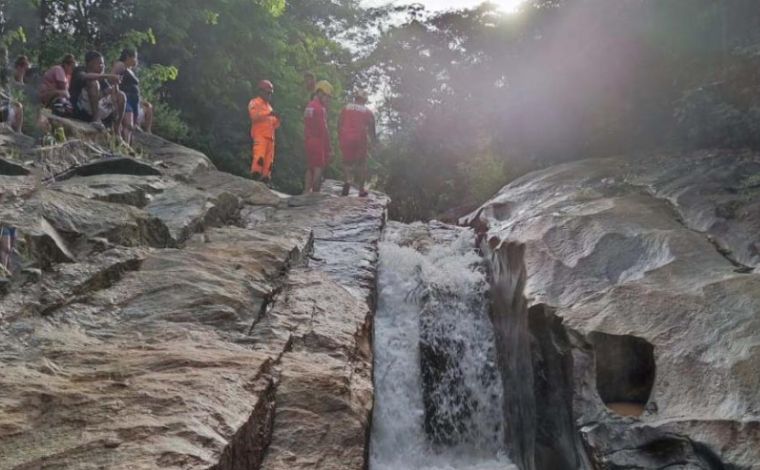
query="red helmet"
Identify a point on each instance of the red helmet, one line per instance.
(266, 85)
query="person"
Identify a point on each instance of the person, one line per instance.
(130, 85)
(309, 83)
(54, 88)
(356, 126)
(7, 243)
(317, 136)
(264, 123)
(20, 68)
(11, 111)
(145, 116)
(95, 102)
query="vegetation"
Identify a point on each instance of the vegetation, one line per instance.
(468, 100)
(477, 98)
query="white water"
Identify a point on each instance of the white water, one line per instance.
(446, 276)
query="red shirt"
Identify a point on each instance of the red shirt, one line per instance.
(315, 133)
(54, 79)
(356, 120)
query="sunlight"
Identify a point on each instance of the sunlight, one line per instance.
(508, 6)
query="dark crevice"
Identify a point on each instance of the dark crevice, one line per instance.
(247, 448)
(625, 371)
(8, 168)
(295, 258)
(101, 281)
(728, 254)
(534, 353)
(557, 443)
(109, 166)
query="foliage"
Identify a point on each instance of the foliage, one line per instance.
(468, 99)
(474, 94)
(202, 60)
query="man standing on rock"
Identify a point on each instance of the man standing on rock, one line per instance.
(317, 136)
(356, 127)
(264, 123)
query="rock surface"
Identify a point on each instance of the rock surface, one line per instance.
(634, 282)
(180, 317)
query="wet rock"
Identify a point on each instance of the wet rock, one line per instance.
(324, 396)
(346, 232)
(639, 259)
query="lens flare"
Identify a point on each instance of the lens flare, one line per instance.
(508, 6)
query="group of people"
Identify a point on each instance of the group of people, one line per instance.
(84, 92)
(356, 130)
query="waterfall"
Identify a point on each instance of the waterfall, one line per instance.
(433, 310)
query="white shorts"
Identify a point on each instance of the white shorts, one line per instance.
(105, 105)
(140, 115)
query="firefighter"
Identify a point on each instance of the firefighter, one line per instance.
(317, 136)
(264, 122)
(356, 127)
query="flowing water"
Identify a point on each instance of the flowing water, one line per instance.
(433, 288)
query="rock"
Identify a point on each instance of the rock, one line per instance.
(8, 168)
(185, 210)
(250, 192)
(77, 130)
(139, 343)
(616, 283)
(54, 160)
(13, 187)
(111, 166)
(131, 190)
(38, 241)
(153, 357)
(78, 218)
(179, 162)
(324, 395)
(12, 145)
(346, 231)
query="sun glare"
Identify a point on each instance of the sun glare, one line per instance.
(508, 6)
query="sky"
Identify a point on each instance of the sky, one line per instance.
(505, 5)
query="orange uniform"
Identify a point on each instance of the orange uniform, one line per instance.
(263, 126)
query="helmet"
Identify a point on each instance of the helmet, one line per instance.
(266, 85)
(325, 87)
(361, 95)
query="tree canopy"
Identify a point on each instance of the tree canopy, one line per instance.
(467, 100)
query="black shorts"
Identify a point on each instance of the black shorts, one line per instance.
(5, 110)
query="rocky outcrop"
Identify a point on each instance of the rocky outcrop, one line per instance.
(161, 314)
(626, 297)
